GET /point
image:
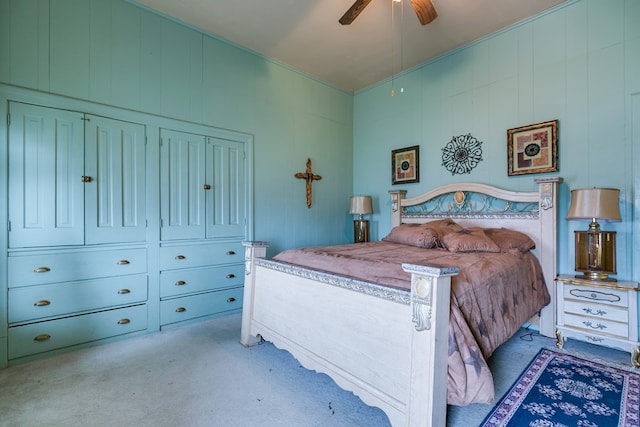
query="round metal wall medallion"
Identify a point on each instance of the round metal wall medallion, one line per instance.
(461, 154)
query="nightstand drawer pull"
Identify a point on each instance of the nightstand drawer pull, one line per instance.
(181, 283)
(42, 337)
(594, 295)
(123, 262)
(41, 270)
(124, 321)
(231, 299)
(42, 303)
(231, 252)
(124, 291)
(230, 276)
(181, 257)
(597, 312)
(600, 326)
(180, 310)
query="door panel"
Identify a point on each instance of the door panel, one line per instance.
(46, 200)
(115, 195)
(182, 162)
(227, 200)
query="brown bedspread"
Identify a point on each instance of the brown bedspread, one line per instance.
(494, 294)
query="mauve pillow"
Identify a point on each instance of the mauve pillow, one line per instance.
(441, 228)
(508, 239)
(413, 235)
(470, 239)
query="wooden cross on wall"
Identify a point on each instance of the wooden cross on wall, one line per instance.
(309, 177)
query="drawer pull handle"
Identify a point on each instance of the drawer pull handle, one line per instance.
(181, 283)
(231, 299)
(597, 312)
(124, 291)
(230, 276)
(181, 257)
(123, 321)
(42, 303)
(123, 262)
(42, 337)
(231, 252)
(596, 326)
(180, 310)
(41, 270)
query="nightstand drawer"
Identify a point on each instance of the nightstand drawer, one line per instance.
(615, 297)
(600, 311)
(601, 326)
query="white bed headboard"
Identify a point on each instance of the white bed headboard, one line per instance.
(481, 205)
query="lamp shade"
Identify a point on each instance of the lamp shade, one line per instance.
(360, 205)
(598, 203)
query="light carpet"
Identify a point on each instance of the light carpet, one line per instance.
(200, 375)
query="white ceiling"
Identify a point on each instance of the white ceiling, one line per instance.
(306, 35)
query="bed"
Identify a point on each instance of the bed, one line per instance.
(391, 344)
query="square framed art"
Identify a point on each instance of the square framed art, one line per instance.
(405, 165)
(533, 148)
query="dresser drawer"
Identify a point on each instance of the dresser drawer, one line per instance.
(180, 282)
(600, 326)
(26, 270)
(200, 255)
(615, 297)
(36, 302)
(190, 307)
(603, 311)
(55, 334)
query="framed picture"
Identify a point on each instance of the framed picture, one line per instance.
(404, 165)
(533, 148)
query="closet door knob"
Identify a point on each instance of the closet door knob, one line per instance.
(86, 178)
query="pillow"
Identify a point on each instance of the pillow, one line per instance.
(470, 239)
(413, 235)
(441, 228)
(510, 240)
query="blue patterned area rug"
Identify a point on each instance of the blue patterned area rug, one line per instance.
(558, 390)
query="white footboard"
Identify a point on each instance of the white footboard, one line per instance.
(387, 346)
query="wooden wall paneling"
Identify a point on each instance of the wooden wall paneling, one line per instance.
(126, 55)
(175, 58)
(150, 63)
(100, 46)
(70, 48)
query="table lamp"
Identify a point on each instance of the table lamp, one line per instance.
(595, 249)
(360, 205)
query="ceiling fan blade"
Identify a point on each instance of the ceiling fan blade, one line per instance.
(353, 12)
(425, 10)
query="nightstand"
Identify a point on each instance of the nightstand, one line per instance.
(598, 312)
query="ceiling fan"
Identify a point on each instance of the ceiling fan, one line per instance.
(424, 9)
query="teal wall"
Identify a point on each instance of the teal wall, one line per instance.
(114, 53)
(578, 63)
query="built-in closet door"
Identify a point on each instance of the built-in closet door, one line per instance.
(183, 186)
(115, 181)
(227, 202)
(46, 161)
